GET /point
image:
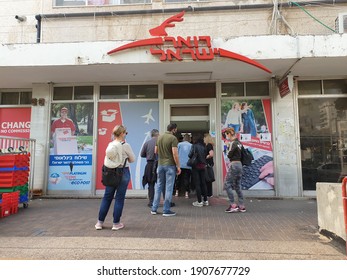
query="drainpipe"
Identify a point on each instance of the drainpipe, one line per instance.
(175, 10)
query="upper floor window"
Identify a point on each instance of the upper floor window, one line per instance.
(60, 3)
(15, 97)
(245, 89)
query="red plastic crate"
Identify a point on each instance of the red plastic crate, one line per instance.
(5, 209)
(19, 160)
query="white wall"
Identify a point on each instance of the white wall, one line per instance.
(229, 23)
(330, 208)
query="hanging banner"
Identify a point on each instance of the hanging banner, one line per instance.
(71, 147)
(139, 118)
(251, 120)
(285, 86)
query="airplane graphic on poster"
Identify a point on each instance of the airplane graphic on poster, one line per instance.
(148, 117)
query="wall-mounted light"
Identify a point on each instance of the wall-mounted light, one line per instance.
(20, 18)
(34, 101)
(42, 101)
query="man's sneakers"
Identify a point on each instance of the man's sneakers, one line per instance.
(235, 208)
(169, 213)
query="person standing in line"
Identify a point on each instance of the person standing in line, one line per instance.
(150, 174)
(208, 140)
(233, 177)
(183, 180)
(116, 153)
(168, 167)
(199, 170)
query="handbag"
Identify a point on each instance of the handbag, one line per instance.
(111, 177)
(210, 174)
(193, 161)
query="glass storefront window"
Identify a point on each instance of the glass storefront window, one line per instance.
(335, 86)
(62, 93)
(232, 89)
(9, 98)
(143, 91)
(25, 97)
(323, 140)
(83, 93)
(309, 87)
(257, 89)
(113, 92)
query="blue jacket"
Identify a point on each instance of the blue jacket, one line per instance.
(183, 151)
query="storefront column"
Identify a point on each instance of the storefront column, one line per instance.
(39, 131)
(286, 145)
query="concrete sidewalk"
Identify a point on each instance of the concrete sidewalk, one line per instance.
(270, 229)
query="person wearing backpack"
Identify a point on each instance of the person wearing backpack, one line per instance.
(233, 177)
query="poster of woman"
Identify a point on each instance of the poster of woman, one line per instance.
(251, 119)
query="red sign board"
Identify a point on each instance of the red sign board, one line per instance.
(15, 122)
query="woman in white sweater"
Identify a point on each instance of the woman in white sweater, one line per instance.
(116, 153)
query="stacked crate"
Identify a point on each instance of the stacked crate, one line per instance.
(14, 177)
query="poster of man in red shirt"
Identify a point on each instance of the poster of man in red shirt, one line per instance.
(63, 122)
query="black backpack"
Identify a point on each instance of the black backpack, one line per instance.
(246, 156)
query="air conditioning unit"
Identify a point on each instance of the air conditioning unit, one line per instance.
(341, 23)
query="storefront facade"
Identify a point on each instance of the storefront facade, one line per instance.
(293, 87)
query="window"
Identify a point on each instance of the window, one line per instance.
(180, 1)
(335, 86)
(245, 89)
(15, 98)
(73, 93)
(309, 87)
(323, 140)
(114, 92)
(143, 91)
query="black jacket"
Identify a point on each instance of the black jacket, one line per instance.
(200, 150)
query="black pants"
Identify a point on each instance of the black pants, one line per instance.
(200, 183)
(183, 180)
(209, 188)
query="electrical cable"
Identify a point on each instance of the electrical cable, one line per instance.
(312, 16)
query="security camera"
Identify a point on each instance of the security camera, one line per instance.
(20, 18)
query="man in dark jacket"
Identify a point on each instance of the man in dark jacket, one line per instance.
(150, 174)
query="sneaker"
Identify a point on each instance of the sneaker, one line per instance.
(154, 212)
(205, 203)
(176, 194)
(169, 214)
(117, 226)
(98, 225)
(232, 208)
(197, 204)
(242, 209)
(187, 195)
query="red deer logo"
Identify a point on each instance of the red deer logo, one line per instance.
(194, 47)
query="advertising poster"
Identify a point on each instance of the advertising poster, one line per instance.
(15, 122)
(71, 147)
(139, 118)
(251, 119)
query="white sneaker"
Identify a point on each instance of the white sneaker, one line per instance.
(198, 204)
(117, 226)
(98, 225)
(205, 203)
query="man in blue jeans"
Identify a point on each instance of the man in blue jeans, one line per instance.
(168, 167)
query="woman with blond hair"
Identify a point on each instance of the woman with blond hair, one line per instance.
(116, 153)
(209, 143)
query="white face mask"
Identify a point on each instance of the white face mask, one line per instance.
(228, 137)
